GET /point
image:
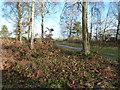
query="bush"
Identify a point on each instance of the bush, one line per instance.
(113, 39)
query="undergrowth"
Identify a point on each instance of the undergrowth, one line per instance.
(48, 66)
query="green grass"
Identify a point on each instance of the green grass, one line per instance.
(70, 44)
(107, 52)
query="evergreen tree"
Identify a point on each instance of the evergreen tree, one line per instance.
(4, 32)
(77, 27)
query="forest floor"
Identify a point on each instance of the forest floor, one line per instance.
(50, 66)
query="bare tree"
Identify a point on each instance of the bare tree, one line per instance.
(19, 21)
(95, 16)
(118, 26)
(91, 25)
(86, 42)
(44, 9)
(42, 23)
(17, 13)
(32, 27)
(70, 14)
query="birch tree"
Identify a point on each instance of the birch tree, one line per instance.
(19, 28)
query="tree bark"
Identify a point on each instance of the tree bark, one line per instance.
(42, 23)
(86, 41)
(118, 26)
(19, 22)
(91, 23)
(70, 32)
(32, 27)
(29, 29)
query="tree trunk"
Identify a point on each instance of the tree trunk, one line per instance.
(42, 23)
(118, 27)
(32, 27)
(70, 32)
(96, 34)
(70, 28)
(19, 22)
(29, 29)
(86, 42)
(77, 33)
(91, 23)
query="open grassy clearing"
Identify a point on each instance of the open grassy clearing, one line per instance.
(107, 52)
(49, 66)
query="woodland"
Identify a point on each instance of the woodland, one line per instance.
(86, 55)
